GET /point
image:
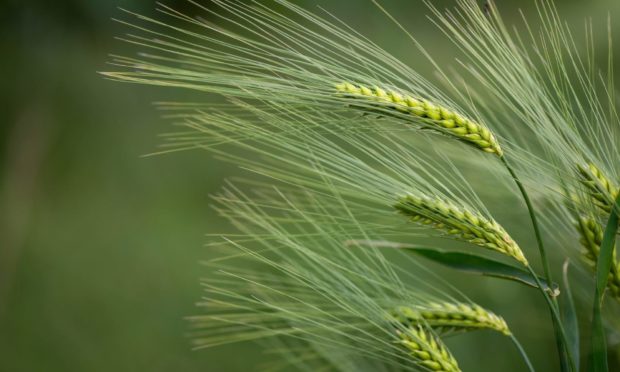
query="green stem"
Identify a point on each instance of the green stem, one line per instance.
(516, 342)
(530, 209)
(566, 357)
(566, 360)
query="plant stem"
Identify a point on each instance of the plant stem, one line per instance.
(516, 342)
(566, 360)
(530, 209)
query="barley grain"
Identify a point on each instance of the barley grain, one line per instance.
(600, 188)
(460, 223)
(591, 234)
(451, 316)
(440, 118)
(427, 350)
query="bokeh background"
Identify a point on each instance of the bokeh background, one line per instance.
(100, 247)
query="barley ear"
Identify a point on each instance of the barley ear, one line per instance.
(460, 223)
(438, 118)
(591, 234)
(451, 316)
(601, 189)
(427, 350)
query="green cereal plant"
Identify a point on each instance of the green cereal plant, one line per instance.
(338, 134)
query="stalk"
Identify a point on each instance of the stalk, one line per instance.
(566, 359)
(532, 213)
(522, 352)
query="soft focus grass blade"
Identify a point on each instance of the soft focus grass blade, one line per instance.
(569, 317)
(462, 261)
(603, 266)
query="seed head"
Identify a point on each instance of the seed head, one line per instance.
(451, 316)
(427, 350)
(600, 188)
(439, 118)
(462, 224)
(591, 239)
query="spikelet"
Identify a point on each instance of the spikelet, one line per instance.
(451, 316)
(427, 350)
(441, 118)
(463, 224)
(602, 191)
(591, 238)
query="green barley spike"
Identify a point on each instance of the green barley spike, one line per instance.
(462, 224)
(591, 238)
(600, 188)
(427, 350)
(441, 119)
(451, 316)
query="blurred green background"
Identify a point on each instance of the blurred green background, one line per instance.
(100, 247)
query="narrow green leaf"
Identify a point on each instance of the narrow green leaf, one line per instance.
(603, 267)
(465, 262)
(569, 317)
